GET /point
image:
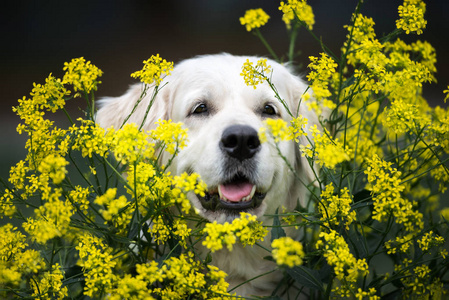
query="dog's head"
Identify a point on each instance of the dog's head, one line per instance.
(223, 116)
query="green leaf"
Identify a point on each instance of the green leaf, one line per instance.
(306, 277)
(277, 231)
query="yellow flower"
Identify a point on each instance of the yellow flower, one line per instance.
(371, 294)
(98, 264)
(117, 209)
(322, 78)
(334, 209)
(51, 95)
(298, 8)
(182, 185)
(50, 284)
(181, 231)
(287, 251)
(16, 261)
(90, 138)
(254, 18)
(159, 230)
(129, 287)
(386, 187)
(154, 70)
(336, 251)
(172, 135)
(129, 144)
(430, 240)
(182, 277)
(411, 15)
(54, 166)
(79, 195)
(254, 75)
(246, 228)
(402, 117)
(82, 75)
(277, 128)
(327, 151)
(51, 220)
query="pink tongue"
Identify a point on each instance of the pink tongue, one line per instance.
(234, 192)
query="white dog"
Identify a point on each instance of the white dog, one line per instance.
(223, 116)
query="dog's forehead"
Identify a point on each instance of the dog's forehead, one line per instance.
(212, 75)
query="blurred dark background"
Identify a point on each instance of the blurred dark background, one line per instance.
(39, 36)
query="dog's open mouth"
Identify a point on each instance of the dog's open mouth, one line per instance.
(236, 194)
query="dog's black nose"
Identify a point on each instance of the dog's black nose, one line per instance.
(240, 142)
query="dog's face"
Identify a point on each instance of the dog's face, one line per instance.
(223, 116)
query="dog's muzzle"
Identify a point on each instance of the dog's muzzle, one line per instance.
(239, 144)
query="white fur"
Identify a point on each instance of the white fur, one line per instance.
(216, 80)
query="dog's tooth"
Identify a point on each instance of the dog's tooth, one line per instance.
(221, 195)
(253, 191)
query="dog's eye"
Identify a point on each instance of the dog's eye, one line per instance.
(269, 110)
(200, 109)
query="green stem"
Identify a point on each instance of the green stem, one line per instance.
(265, 43)
(291, 48)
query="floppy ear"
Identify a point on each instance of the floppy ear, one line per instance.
(132, 108)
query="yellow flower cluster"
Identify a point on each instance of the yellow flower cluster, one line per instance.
(322, 75)
(182, 277)
(184, 184)
(90, 138)
(43, 138)
(402, 117)
(347, 268)
(326, 151)
(50, 285)
(439, 132)
(175, 278)
(49, 96)
(54, 167)
(52, 219)
(98, 264)
(18, 262)
(82, 75)
(116, 209)
(254, 75)
(130, 145)
(154, 70)
(279, 131)
(79, 197)
(286, 251)
(246, 228)
(371, 294)
(7, 207)
(418, 282)
(336, 210)
(254, 18)
(172, 135)
(411, 16)
(139, 176)
(15, 260)
(387, 188)
(299, 9)
(159, 231)
(387, 67)
(430, 240)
